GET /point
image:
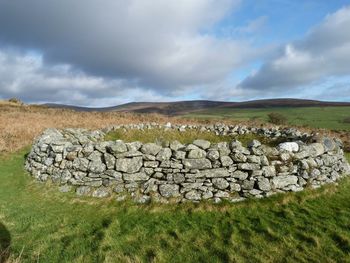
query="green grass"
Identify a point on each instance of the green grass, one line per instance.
(162, 136)
(48, 226)
(315, 117)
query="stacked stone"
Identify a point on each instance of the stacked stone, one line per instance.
(220, 129)
(176, 172)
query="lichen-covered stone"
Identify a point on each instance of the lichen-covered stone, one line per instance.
(169, 190)
(129, 165)
(197, 163)
(196, 154)
(220, 183)
(283, 181)
(151, 148)
(202, 144)
(135, 177)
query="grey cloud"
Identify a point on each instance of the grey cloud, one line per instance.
(155, 44)
(324, 52)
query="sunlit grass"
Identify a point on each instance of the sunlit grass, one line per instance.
(315, 117)
(48, 226)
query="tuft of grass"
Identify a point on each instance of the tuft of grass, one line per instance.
(347, 155)
(162, 136)
(48, 226)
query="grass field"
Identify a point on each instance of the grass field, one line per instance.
(43, 225)
(315, 117)
(163, 136)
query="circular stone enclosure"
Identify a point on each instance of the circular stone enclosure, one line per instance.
(83, 161)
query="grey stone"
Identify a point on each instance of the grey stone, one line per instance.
(135, 177)
(197, 154)
(129, 165)
(248, 166)
(180, 155)
(207, 195)
(197, 164)
(169, 190)
(239, 157)
(134, 146)
(269, 171)
(223, 148)
(253, 159)
(214, 173)
(164, 154)
(193, 195)
(247, 185)
(113, 175)
(264, 184)
(240, 175)
(119, 188)
(117, 147)
(328, 144)
(220, 183)
(101, 192)
(202, 143)
(109, 160)
(95, 156)
(97, 166)
(152, 164)
(178, 178)
(235, 145)
(288, 146)
(234, 187)
(283, 181)
(176, 145)
(213, 155)
(151, 149)
(226, 161)
(222, 194)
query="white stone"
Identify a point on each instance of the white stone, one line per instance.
(289, 146)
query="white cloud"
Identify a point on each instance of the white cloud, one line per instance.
(324, 52)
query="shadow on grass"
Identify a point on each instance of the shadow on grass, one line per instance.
(5, 242)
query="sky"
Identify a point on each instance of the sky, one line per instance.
(108, 52)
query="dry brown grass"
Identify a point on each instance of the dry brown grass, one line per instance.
(20, 124)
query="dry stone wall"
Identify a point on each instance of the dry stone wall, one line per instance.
(80, 160)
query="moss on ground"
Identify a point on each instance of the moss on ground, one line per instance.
(48, 226)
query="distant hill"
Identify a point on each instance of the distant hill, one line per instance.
(184, 107)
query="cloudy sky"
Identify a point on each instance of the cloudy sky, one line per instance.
(107, 52)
